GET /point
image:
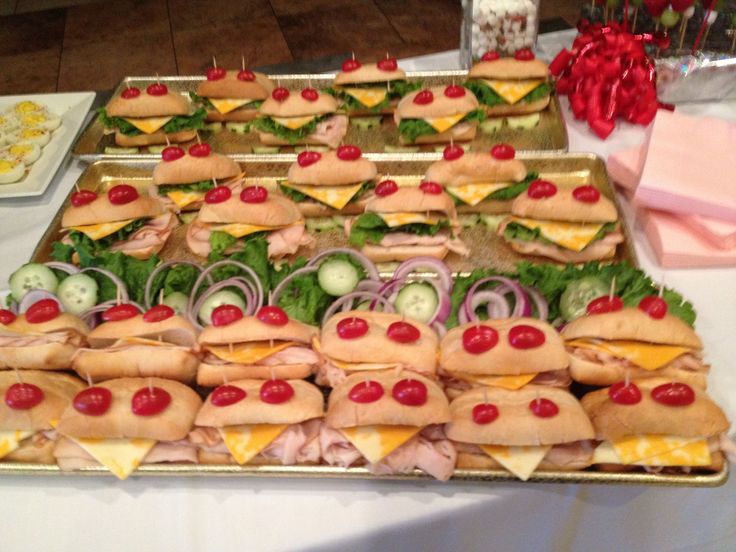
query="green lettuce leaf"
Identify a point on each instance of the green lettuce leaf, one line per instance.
(487, 96)
(267, 124)
(411, 129)
(504, 194)
(514, 230)
(369, 227)
(179, 122)
(252, 251)
(201, 186)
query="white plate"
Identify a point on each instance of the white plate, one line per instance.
(72, 107)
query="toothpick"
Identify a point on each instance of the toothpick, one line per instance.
(89, 380)
(627, 378)
(168, 142)
(224, 377)
(538, 399)
(452, 141)
(612, 291)
(214, 62)
(198, 140)
(367, 381)
(161, 296)
(387, 56)
(485, 395)
(150, 387)
(118, 295)
(17, 375)
(309, 82)
(633, 25)
(160, 338)
(661, 288)
(127, 85)
(270, 294)
(158, 79)
(76, 186)
(214, 179)
(353, 55)
(270, 343)
(242, 61)
(230, 347)
(273, 373)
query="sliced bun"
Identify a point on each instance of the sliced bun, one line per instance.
(509, 69)
(65, 322)
(296, 106)
(136, 361)
(176, 330)
(188, 169)
(58, 391)
(101, 210)
(49, 356)
(596, 251)
(119, 422)
(311, 208)
(415, 200)
(306, 403)
(564, 207)
(381, 254)
(240, 115)
(277, 210)
(212, 375)
(442, 106)
(154, 138)
(633, 324)
(519, 108)
(33, 453)
(461, 132)
(516, 425)
(503, 359)
(268, 139)
(343, 412)
(147, 105)
(330, 170)
(368, 73)
(612, 421)
(231, 87)
(475, 167)
(249, 328)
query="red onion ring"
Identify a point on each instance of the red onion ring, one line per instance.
(254, 287)
(119, 284)
(350, 298)
(149, 283)
(64, 267)
(367, 264)
(496, 304)
(91, 320)
(435, 265)
(522, 306)
(250, 305)
(35, 295)
(369, 285)
(539, 302)
(440, 328)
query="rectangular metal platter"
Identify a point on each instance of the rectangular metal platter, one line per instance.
(487, 249)
(328, 472)
(549, 135)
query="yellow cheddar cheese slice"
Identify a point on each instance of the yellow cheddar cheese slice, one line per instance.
(400, 219)
(99, 231)
(294, 122)
(654, 450)
(507, 382)
(648, 356)
(10, 440)
(148, 125)
(375, 442)
(369, 97)
(120, 456)
(513, 91)
(473, 194)
(183, 199)
(336, 197)
(239, 230)
(570, 235)
(245, 441)
(521, 461)
(226, 105)
(248, 353)
(441, 124)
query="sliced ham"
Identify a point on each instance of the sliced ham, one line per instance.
(728, 447)
(172, 451)
(287, 241)
(331, 131)
(570, 454)
(152, 235)
(330, 375)
(554, 378)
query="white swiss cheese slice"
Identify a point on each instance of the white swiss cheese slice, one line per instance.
(648, 356)
(474, 193)
(513, 91)
(657, 450)
(226, 105)
(245, 441)
(369, 97)
(570, 235)
(294, 122)
(441, 124)
(181, 199)
(149, 125)
(375, 442)
(507, 382)
(336, 197)
(10, 440)
(99, 231)
(248, 353)
(393, 220)
(521, 461)
(120, 456)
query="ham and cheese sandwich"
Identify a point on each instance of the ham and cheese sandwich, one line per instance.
(563, 224)
(120, 220)
(506, 352)
(155, 344)
(223, 226)
(390, 423)
(330, 183)
(289, 118)
(361, 341)
(402, 222)
(32, 404)
(232, 96)
(657, 424)
(186, 178)
(608, 347)
(123, 423)
(531, 429)
(258, 422)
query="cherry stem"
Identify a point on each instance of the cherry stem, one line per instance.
(198, 140)
(168, 142)
(76, 185)
(118, 295)
(161, 296)
(661, 288)
(158, 79)
(353, 55)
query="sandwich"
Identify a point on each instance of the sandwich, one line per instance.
(373, 341)
(438, 115)
(370, 89)
(185, 177)
(330, 183)
(232, 96)
(31, 405)
(657, 424)
(408, 221)
(504, 352)
(253, 347)
(158, 343)
(566, 225)
(481, 182)
(259, 422)
(608, 347)
(154, 116)
(510, 86)
(289, 118)
(119, 220)
(390, 423)
(123, 423)
(43, 338)
(531, 429)
(229, 218)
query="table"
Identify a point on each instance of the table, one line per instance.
(154, 514)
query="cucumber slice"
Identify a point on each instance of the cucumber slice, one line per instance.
(469, 220)
(113, 150)
(491, 126)
(320, 224)
(224, 297)
(401, 149)
(32, 276)
(238, 128)
(266, 149)
(156, 149)
(492, 221)
(339, 220)
(78, 293)
(177, 301)
(213, 127)
(187, 217)
(417, 301)
(578, 293)
(365, 123)
(337, 277)
(320, 149)
(523, 122)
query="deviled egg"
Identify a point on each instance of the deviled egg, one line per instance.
(11, 171)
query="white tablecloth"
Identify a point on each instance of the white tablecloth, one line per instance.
(147, 514)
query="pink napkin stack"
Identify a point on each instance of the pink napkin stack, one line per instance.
(683, 183)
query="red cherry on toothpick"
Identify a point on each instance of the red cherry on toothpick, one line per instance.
(541, 189)
(525, 54)
(350, 65)
(352, 328)
(246, 75)
(479, 339)
(621, 393)
(386, 188)
(586, 194)
(272, 315)
(83, 197)
(410, 392)
(424, 97)
(172, 153)
(490, 55)
(366, 392)
(503, 152)
(218, 194)
(7, 317)
(130, 93)
(430, 187)
(307, 158)
(543, 408)
(123, 311)
(485, 413)
(662, 40)
(157, 89)
(93, 401)
(23, 396)
(523, 336)
(226, 395)
(310, 94)
(455, 91)
(403, 332)
(224, 315)
(200, 150)
(674, 394)
(654, 306)
(149, 401)
(452, 152)
(605, 304)
(349, 153)
(42, 311)
(280, 94)
(254, 194)
(216, 73)
(158, 313)
(276, 391)
(122, 194)
(388, 64)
